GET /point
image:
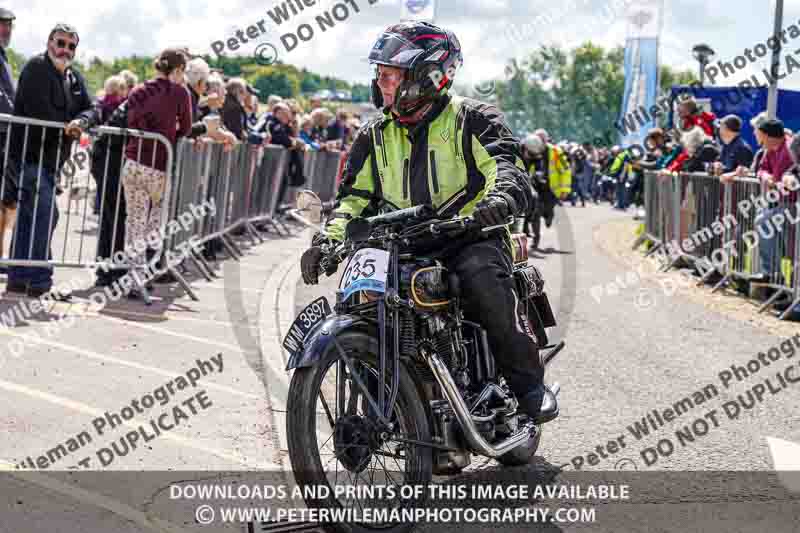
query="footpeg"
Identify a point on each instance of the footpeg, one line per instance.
(548, 356)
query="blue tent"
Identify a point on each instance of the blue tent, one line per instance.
(745, 103)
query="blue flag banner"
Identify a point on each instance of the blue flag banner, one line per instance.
(641, 89)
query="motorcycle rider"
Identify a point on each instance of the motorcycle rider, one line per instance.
(551, 178)
(458, 156)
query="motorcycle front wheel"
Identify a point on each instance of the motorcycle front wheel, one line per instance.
(335, 439)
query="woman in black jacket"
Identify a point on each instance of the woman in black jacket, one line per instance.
(234, 117)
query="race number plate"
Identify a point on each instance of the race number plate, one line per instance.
(366, 271)
(313, 314)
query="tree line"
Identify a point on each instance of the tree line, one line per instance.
(573, 94)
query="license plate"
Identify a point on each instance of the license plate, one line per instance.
(313, 314)
(366, 271)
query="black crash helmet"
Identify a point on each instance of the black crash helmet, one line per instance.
(429, 54)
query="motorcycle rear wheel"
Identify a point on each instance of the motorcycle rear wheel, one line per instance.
(315, 444)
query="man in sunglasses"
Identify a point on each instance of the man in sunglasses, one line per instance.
(49, 89)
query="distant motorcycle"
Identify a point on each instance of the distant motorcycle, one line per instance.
(393, 385)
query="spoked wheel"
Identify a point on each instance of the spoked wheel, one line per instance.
(336, 439)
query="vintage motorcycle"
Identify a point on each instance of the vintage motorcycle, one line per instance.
(393, 385)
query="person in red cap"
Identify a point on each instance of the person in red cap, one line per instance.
(691, 115)
(773, 172)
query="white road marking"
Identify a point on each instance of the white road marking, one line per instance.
(85, 308)
(123, 362)
(170, 317)
(786, 459)
(83, 408)
(186, 336)
(238, 289)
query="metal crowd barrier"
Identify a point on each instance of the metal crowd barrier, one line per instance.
(268, 179)
(87, 224)
(658, 199)
(778, 244)
(743, 263)
(740, 230)
(699, 197)
(193, 161)
(321, 171)
(653, 230)
(40, 162)
(247, 184)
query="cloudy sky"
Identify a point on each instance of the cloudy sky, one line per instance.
(114, 28)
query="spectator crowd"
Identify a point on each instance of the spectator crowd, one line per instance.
(700, 143)
(703, 143)
(185, 99)
(188, 99)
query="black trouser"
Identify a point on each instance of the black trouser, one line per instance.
(545, 205)
(293, 177)
(578, 194)
(489, 298)
(112, 215)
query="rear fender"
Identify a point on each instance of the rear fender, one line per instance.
(318, 339)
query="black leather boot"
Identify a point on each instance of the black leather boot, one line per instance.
(540, 405)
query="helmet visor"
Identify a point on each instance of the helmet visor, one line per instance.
(394, 50)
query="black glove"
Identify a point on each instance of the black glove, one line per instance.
(492, 211)
(309, 265)
(310, 261)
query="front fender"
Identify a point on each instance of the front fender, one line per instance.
(319, 338)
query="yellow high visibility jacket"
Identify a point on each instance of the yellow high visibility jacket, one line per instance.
(560, 172)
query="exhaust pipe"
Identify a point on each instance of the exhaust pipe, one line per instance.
(462, 413)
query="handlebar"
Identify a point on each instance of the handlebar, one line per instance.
(335, 253)
(401, 215)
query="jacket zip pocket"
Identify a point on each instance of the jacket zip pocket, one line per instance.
(379, 137)
(457, 137)
(434, 178)
(405, 179)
